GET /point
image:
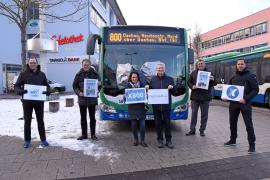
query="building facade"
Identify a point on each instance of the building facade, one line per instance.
(242, 35)
(71, 37)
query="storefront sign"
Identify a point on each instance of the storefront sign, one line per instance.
(67, 39)
(71, 59)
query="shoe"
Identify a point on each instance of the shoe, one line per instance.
(170, 145)
(135, 143)
(160, 144)
(251, 149)
(94, 137)
(202, 133)
(44, 143)
(230, 143)
(82, 138)
(190, 133)
(26, 144)
(144, 144)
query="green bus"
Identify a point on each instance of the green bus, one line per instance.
(139, 48)
(258, 62)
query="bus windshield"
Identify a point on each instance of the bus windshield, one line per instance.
(120, 60)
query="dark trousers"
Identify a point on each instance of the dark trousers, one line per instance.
(27, 111)
(134, 126)
(246, 111)
(162, 121)
(92, 112)
(204, 106)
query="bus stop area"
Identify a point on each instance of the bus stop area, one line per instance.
(193, 157)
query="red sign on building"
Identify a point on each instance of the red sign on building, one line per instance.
(67, 40)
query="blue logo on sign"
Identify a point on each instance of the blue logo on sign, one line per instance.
(232, 92)
(33, 24)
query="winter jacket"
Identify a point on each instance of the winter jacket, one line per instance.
(248, 80)
(136, 111)
(78, 85)
(199, 94)
(30, 77)
(163, 82)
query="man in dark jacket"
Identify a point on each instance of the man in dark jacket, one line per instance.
(244, 78)
(162, 112)
(86, 72)
(33, 76)
(200, 98)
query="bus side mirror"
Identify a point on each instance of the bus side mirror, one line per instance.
(91, 43)
(190, 56)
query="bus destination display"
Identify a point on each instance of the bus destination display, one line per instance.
(141, 37)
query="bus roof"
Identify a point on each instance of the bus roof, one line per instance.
(236, 55)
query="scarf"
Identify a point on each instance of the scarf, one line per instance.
(137, 85)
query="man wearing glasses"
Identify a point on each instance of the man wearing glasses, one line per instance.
(33, 76)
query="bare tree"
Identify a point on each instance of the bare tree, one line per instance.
(196, 43)
(17, 12)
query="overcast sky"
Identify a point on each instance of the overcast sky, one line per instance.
(206, 14)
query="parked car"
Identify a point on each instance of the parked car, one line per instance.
(57, 87)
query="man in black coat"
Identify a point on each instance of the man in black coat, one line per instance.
(200, 98)
(162, 112)
(86, 72)
(244, 78)
(33, 76)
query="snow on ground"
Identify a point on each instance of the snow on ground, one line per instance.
(62, 128)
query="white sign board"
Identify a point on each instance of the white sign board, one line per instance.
(135, 95)
(34, 92)
(90, 88)
(203, 79)
(232, 92)
(158, 96)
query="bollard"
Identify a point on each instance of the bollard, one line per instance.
(69, 102)
(53, 107)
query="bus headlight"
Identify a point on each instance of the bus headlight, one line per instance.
(181, 108)
(107, 108)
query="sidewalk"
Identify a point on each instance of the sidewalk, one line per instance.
(193, 157)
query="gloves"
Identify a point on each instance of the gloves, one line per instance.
(24, 91)
(46, 92)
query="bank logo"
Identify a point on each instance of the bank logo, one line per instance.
(33, 24)
(232, 92)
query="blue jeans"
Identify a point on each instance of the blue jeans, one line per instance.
(134, 126)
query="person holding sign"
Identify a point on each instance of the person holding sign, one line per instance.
(32, 76)
(200, 96)
(244, 78)
(162, 111)
(87, 97)
(136, 111)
